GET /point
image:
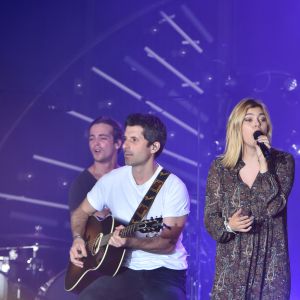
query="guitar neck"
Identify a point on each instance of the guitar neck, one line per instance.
(125, 232)
(129, 230)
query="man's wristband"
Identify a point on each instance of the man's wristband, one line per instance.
(77, 236)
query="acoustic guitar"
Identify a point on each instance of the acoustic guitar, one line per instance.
(103, 259)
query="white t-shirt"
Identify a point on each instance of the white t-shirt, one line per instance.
(119, 191)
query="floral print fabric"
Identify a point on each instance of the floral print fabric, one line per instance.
(252, 265)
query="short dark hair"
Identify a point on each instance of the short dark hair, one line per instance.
(117, 128)
(154, 129)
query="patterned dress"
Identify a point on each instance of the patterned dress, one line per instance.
(252, 265)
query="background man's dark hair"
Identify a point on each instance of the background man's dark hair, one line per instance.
(117, 128)
(154, 129)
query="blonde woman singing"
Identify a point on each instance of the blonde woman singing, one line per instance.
(246, 209)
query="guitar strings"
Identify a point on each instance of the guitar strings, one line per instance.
(125, 232)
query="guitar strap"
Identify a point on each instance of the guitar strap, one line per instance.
(147, 201)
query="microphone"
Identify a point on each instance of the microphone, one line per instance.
(264, 149)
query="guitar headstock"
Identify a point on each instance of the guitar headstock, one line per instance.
(150, 225)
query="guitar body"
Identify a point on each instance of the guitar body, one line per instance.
(105, 261)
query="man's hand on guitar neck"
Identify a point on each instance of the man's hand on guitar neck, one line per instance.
(116, 240)
(78, 251)
(163, 243)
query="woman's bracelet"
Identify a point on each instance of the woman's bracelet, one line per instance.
(228, 228)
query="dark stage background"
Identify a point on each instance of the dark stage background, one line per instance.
(63, 63)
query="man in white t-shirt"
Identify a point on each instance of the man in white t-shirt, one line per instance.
(155, 267)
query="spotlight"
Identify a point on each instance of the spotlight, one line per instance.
(4, 267)
(62, 183)
(108, 103)
(52, 107)
(154, 30)
(29, 176)
(172, 134)
(208, 77)
(290, 84)
(295, 149)
(26, 176)
(179, 52)
(218, 146)
(293, 144)
(183, 52)
(78, 86)
(201, 136)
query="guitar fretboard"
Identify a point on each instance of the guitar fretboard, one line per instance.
(102, 240)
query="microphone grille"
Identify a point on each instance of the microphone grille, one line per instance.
(256, 134)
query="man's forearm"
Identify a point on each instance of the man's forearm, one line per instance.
(164, 243)
(156, 245)
(78, 222)
(161, 244)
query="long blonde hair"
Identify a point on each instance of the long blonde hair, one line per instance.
(234, 139)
